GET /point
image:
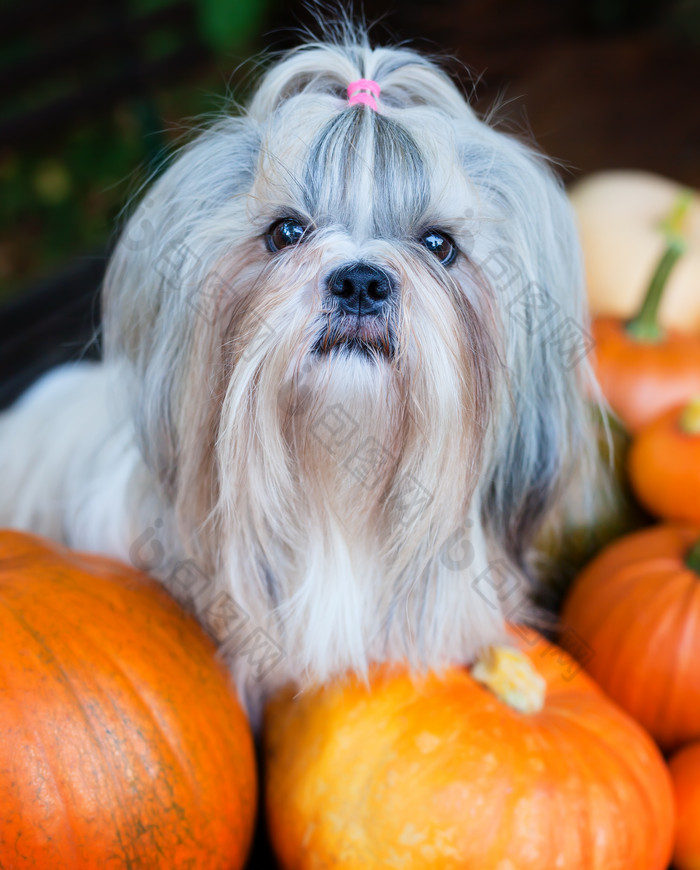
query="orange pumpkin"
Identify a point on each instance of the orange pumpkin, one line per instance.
(644, 370)
(664, 464)
(123, 744)
(685, 773)
(643, 379)
(636, 608)
(436, 771)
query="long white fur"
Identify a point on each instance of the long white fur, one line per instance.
(206, 428)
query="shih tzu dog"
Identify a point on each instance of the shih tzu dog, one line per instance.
(343, 379)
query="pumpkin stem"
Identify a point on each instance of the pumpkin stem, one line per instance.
(690, 417)
(510, 675)
(645, 327)
(692, 560)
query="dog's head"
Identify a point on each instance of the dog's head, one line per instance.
(349, 321)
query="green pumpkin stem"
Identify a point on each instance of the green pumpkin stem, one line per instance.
(645, 326)
(692, 560)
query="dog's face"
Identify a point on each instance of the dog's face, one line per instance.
(342, 325)
(358, 296)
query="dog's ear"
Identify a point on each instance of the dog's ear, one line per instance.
(161, 268)
(160, 257)
(544, 435)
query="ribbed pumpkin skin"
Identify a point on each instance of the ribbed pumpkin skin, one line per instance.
(439, 773)
(637, 606)
(685, 773)
(122, 744)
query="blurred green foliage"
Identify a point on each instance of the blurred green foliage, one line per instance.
(230, 24)
(60, 199)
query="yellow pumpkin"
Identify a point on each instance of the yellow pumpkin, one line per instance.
(522, 764)
(620, 217)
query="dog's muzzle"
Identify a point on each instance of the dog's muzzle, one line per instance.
(358, 311)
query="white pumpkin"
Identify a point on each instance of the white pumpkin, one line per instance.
(620, 214)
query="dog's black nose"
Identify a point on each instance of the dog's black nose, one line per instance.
(360, 288)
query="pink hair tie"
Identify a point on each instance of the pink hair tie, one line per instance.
(364, 91)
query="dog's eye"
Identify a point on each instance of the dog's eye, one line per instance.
(441, 245)
(284, 233)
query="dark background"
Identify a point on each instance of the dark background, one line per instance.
(94, 94)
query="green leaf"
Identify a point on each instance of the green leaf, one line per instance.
(229, 24)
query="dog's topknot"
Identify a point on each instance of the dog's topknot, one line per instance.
(325, 69)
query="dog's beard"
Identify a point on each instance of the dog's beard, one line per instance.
(401, 380)
(339, 472)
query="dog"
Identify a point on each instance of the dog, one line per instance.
(344, 376)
